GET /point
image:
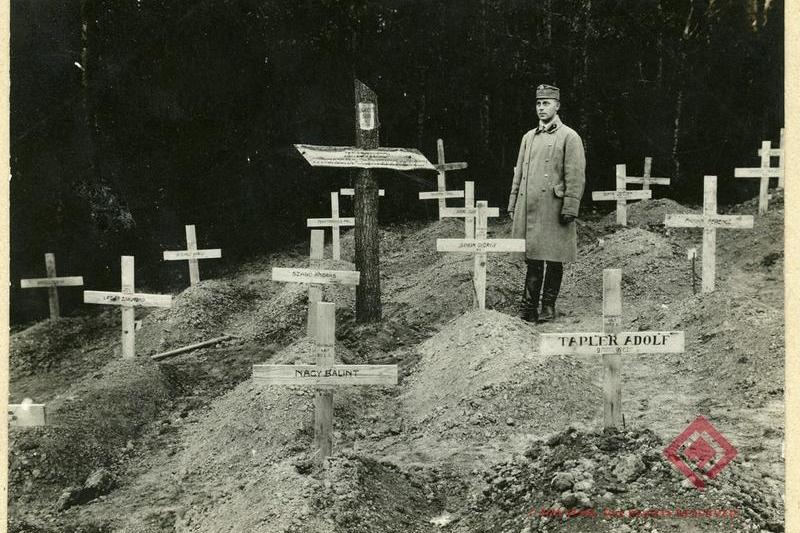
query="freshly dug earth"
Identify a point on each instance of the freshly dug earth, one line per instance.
(473, 438)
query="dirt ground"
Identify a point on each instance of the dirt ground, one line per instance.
(482, 433)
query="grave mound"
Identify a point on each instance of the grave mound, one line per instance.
(590, 471)
(653, 269)
(647, 214)
(482, 374)
(200, 312)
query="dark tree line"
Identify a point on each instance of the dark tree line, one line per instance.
(130, 119)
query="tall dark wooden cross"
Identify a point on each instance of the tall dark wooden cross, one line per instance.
(365, 156)
(52, 282)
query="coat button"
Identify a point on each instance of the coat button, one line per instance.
(544, 190)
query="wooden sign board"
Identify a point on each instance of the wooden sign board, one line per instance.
(716, 221)
(329, 222)
(68, 281)
(27, 414)
(312, 275)
(180, 255)
(468, 212)
(352, 157)
(325, 375)
(480, 245)
(352, 192)
(129, 300)
(622, 343)
(440, 195)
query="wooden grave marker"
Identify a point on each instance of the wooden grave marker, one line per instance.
(469, 212)
(352, 192)
(315, 278)
(366, 155)
(779, 153)
(612, 343)
(128, 299)
(334, 222)
(621, 195)
(192, 254)
(325, 374)
(709, 221)
(646, 179)
(479, 247)
(27, 414)
(764, 173)
(442, 168)
(52, 282)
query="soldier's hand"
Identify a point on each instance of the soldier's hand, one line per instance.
(566, 219)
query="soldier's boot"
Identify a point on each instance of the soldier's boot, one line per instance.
(552, 286)
(532, 290)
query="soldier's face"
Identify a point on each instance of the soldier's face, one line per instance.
(546, 109)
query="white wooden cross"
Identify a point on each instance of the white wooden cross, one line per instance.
(779, 153)
(621, 195)
(315, 277)
(128, 300)
(192, 254)
(709, 221)
(334, 222)
(479, 247)
(52, 283)
(611, 343)
(27, 414)
(441, 192)
(646, 178)
(325, 374)
(764, 173)
(469, 212)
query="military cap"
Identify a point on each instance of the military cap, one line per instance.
(548, 91)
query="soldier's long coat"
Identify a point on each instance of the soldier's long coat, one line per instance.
(548, 180)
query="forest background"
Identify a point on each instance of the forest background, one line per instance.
(130, 119)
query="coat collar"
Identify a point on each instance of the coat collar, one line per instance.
(553, 126)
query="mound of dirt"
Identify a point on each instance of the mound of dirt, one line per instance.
(647, 214)
(643, 257)
(90, 426)
(597, 476)
(200, 312)
(481, 374)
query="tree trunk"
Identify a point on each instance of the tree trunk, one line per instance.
(367, 250)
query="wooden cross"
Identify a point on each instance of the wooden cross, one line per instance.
(709, 221)
(325, 374)
(352, 192)
(52, 283)
(315, 277)
(621, 195)
(764, 173)
(646, 178)
(334, 222)
(441, 192)
(611, 343)
(366, 155)
(27, 414)
(128, 300)
(779, 153)
(192, 254)
(469, 212)
(479, 247)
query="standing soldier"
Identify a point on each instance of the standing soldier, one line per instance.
(545, 197)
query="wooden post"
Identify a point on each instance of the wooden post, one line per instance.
(781, 156)
(191, 247)
(709, 221)
(52, 282)
(622, 195)
(648, 168)
(128, 312)
(612, 363)
(192, 254)
(323, 401)
(27, 414)
(52, 292)
(337, 250)
(367, 245)
(469, 202)
(481, 233)
(314, 291)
